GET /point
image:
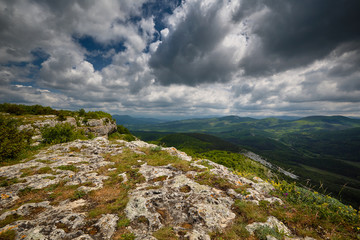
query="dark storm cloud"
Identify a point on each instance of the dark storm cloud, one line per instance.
(295, 33)
(190, 55)
(282, 35)
(348, 65)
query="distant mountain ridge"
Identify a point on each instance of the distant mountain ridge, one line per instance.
(230, 123)
(127, 120)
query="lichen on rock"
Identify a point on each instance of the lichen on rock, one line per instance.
(199, 208)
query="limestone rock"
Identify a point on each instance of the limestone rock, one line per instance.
(54, 222)
(271, 222)
(180, 202)
(173, 151)
(107, 224)
(100, 127)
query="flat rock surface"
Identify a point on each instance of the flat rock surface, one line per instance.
(180, 202)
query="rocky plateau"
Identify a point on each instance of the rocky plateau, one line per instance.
(168, 195)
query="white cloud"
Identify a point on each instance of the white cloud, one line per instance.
(164, 32)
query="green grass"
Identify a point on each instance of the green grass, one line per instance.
(10, 219)
(8, 235)
(68, 168)
(78, 194)
(32, 171)
(305, 210)
(249, 212)
(165, 233)
(262, 232)
(119, 136)
(4, 182)
(237, 162)
(123, 222)
(210, 179)
(127, 236)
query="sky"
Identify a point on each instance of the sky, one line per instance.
(183, 58)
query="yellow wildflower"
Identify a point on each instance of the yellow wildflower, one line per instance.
(4, 196)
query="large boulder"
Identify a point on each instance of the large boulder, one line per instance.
(100, 127)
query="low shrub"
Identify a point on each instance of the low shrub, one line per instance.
(96, 115)
(118, 136)
(78, 194)
(61, 133)
(122, 130)
(61, 117)
(263, 232)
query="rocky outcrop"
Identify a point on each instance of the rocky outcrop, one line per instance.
(168, 195)
(97, 127)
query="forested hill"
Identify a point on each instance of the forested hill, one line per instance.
(272, 126)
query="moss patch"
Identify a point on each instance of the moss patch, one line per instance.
(165, 233)
(68, 167)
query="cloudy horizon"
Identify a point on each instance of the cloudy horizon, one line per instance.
(183, 58)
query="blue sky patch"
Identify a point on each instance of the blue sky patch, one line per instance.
(159, 9)
(98, 52)
(40, 56)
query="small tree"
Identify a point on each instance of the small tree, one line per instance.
(61, 117)
(82, 112)
(12, 141)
